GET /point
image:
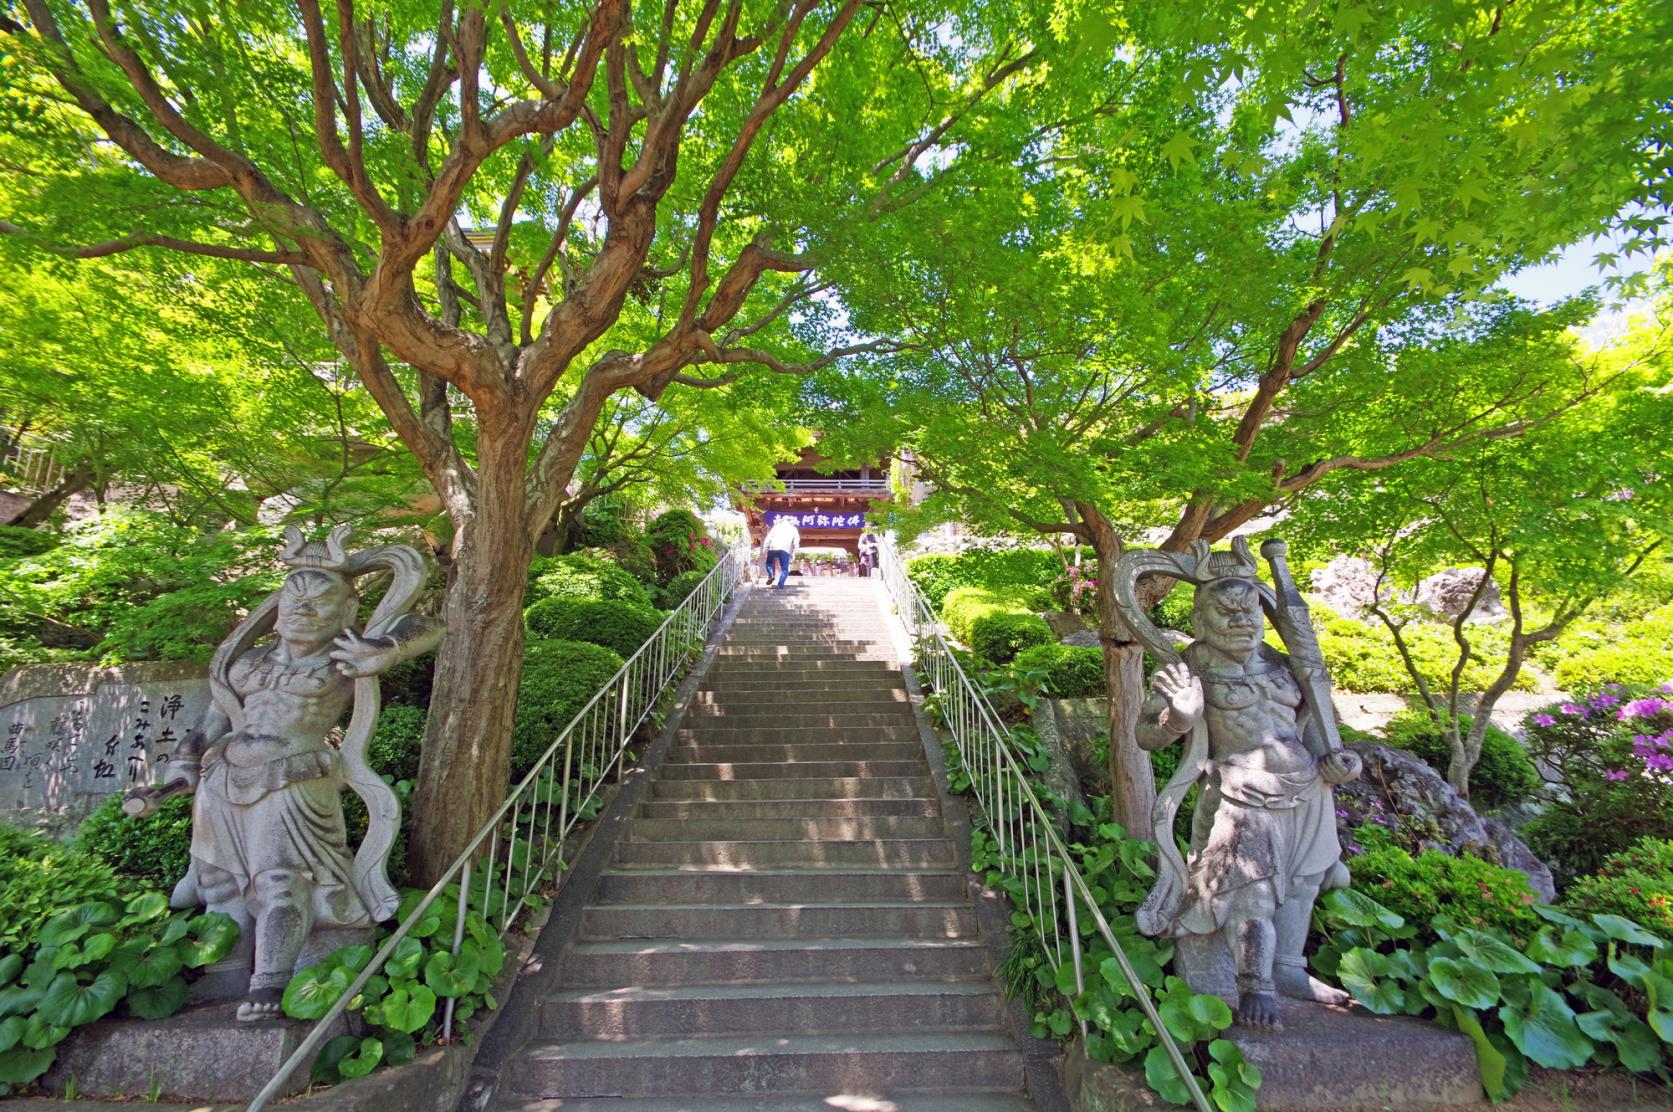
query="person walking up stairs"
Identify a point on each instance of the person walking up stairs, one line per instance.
(785, 924)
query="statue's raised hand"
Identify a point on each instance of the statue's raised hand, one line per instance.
(1182, 692)
(357, 656)
(1339, 766)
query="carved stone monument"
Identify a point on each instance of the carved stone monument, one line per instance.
(269, 847)
(1262, 742)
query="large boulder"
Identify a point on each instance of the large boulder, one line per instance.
(1348, 585)
(1398, 782)
(1447, 593)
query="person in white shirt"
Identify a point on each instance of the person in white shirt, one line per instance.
(781, 543)
(868, 553)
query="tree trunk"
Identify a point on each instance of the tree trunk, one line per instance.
(1132, 783)
(42, 508)
(466, 759)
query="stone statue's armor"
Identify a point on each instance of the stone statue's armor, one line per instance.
(1263, 815)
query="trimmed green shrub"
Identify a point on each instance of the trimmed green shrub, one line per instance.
(1000, 636)
(153, 850)
(678, 542)
(16, 541)
(558, 679)
(938, 574)
(603, 526)
(1594, 653)
(1174, 611)
(397, 741)
(965, 604)
(1473, 892)
(1636, 883)
(1363, 659)
(621, 626)
(1070, 672)
(630, 554)
(678, 588)
(1504, 774)
(581, 577)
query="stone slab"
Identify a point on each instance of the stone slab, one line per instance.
(1325, 1058)
(201, 1053)
(72, 734)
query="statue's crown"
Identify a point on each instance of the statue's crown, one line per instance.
(1236, 564)
(326, 555)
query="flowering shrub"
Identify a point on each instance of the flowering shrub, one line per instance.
(1636, 883)
(1076, 590)
(1612, 754)
(678, 542)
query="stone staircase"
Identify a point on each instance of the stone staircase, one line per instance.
(785, 924)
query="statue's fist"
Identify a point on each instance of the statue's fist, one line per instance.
(1339, 766)
(1182, 691)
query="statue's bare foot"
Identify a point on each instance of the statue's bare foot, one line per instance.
(1259, 1010)
(263, 1003)
(1294, 982)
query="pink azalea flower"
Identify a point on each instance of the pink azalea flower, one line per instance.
(1616, 774)
(1644, 708)
(1544, 720)
(1573, 710)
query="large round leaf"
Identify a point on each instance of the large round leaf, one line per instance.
(404, 959)
(1572, 950)
(10, 966)
(146, 963)
(1359, 910)
(1365, 974)
(158, 1001)
(77, 922)
(311, 992)
(38, 1034)
(11, 1032)
(20, 1000)
(399, 1048)
(363, 1061)
(147, 907)
(212, 938)
(408, 1010)
(1494, 953)
(324, 1069)
(1546, 1031)
(1163, 1078)
(1464, 983)
(70, 1003)
(1618, 927)
(19, 1066)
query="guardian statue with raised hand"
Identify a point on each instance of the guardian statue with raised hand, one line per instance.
(1262, 744)
(269, 846)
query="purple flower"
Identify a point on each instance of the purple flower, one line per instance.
(1644, 708)
(1572, 710)
(1341, 814)
(1598, 702)
(1667, 688)
(1544, 720)
(1616, 774)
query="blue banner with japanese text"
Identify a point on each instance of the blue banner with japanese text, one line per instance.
(816, 519)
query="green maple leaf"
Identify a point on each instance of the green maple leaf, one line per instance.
(1181, 148)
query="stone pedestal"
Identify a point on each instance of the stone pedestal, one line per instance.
(1325, 1058)
(201, 1053)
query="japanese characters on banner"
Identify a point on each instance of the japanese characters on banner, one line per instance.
(817, 519)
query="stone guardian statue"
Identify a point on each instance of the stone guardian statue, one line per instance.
(269, 847)
(1262, 744)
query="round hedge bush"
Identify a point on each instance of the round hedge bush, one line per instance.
(582, 577)
(155, 849)
(620, 626)
(1000, 636)
(679, 587)
(558, 679)
(679, 543)
(1504, 774)
(964, 605)
(1070, 672)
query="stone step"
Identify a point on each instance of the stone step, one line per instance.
(962, 1101)
(763, 710)
(645, 886)
(822, 687)
(787, 830)
(809, 1009)
(793, 716)
(787, 808)
(849, 920)
(807, 700)
(761, 770)
(798, 653)
(718, 732)
(710, 749)
(612, 963)
(798, 787)
(822, 1064)
(727, 667)
(891, 853)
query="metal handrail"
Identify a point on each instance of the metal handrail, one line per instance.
(29, 460)
(600, 731)
(1014, 814)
